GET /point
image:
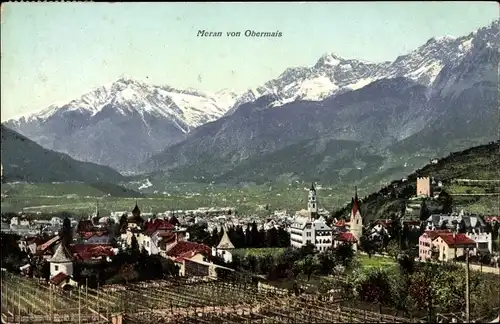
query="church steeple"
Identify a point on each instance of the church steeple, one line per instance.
(136, 211)
(312, 202)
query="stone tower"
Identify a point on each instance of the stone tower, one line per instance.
(61, 261)
(356, 223)
(312, 202)
(224, 248)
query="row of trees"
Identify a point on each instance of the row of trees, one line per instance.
(292, 262)
(251, 237)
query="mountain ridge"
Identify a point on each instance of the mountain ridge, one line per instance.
(24, 160)
(132, 122)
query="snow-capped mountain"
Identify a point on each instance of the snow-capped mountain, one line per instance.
(445, 100)
(106, 124)
(333, 74)
(123, 124)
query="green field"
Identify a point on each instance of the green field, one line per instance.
(82, 198)
(258, 252)
(376, 261)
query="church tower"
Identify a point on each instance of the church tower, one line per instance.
(312, 202)
(356, 222)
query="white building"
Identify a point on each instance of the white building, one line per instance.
(224, 248)
(61, 262)
(484, 242)
(307, 229)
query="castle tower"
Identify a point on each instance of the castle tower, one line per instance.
(312, 202)
(61, 261)
(424, 187)
(356, 223)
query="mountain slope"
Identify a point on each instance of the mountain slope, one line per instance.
(24, 160)
(122, 124)
(399, 123)
(476, 163)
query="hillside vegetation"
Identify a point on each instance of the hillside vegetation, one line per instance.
(476, 163)
(25, 160)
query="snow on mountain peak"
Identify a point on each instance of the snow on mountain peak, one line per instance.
(127, 95)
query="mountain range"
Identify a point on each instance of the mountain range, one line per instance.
(338, 120)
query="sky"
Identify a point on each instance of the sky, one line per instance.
(55, 52)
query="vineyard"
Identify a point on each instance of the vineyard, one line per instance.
(175, 301)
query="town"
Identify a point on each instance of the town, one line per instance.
(308, 255)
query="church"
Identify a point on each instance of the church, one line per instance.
(351, 231)
(309, 228)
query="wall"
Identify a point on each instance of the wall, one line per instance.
(424, 247)
(66, 268)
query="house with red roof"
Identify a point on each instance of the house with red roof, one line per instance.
(193, 259)
(96, 237)
(156, 236)
(345, 238)
(448, 245)
(45, 250)
(425, 245)
(92, 252)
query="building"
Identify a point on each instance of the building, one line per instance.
(97, 237)
(224, 248)
(444, 245)
(425, 250)
(356, 221)
(424, 188)
(135, 220)
(61, 266)
(305, 229)
(452, 245)
(155, 232)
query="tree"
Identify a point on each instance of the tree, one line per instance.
(123, 223)
(393, 249)
(375, 287)
(272, 237)
(309, 265)
(127, 273)
(462, 227)
(344, 253)
(266, 263)
(255, 235)
(446, 201)
(327, 262)
(134, 245)
(424, 211)
(66, 232)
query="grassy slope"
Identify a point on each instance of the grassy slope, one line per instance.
(24, 160)
(479, 163)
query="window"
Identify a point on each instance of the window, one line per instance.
(56, 268)
(314, 205)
